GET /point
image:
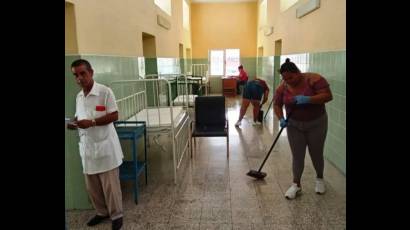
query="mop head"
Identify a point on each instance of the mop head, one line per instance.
(256, 174)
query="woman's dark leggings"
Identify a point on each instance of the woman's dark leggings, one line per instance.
(311, 134)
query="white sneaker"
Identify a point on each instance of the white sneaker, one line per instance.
(320, 186)
(257, 123)
(238, 123)
(292, 191)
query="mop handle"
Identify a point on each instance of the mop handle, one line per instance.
(276, 139)
(268, 109)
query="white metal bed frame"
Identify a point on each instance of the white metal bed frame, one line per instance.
(184, 92)
(131, 98)
(203, 71)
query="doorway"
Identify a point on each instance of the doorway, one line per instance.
(259, 62)
(150, 53)
(188, 60)
(181, 58)
(71, 46)
(276, 63)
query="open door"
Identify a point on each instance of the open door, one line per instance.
(181, 58)
(150, 53)
(276, 65)
(71, 46)
(188, 60)
(259, 61)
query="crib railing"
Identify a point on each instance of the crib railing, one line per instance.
(133, 96)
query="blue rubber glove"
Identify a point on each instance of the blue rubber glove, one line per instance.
(283, 123)
(301, 99)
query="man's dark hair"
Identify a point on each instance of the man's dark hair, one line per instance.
(240, 67)
(289, 66)
(79, 62)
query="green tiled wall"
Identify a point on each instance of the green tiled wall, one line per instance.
(151, 66)
(182, 62)
(75, 193)
(188, 63)
(199, 61)
(331, 65)
(259, 66)
(265, 71)
(276, 74)
(249, 64)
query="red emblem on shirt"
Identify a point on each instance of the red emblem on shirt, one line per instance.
(100, 108)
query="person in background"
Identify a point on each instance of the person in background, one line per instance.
(241, 79)
(100, 148)
(305, 94)
(252, 93)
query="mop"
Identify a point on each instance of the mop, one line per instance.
(258, 174)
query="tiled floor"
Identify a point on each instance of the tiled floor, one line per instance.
(214, 192)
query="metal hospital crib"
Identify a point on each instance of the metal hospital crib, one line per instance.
(150, 100)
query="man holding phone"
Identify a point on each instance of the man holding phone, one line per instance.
(100, 148)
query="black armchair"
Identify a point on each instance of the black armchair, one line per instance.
(210, 119)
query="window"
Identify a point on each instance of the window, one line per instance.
(185, 15)
(165, 5)
(232, 62)
(217, 62)
(286, 4)
(224, 62)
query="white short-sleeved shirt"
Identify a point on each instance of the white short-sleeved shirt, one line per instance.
(100, 148)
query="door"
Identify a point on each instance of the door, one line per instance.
(259, 60)
(188, 61)
(181, 58)
(276, 64)
(150, 53)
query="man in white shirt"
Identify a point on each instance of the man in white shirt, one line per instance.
(99, 145)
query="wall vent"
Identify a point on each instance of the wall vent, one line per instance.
(163, 22)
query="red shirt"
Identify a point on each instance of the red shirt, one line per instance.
(243, 76)
(306, 112)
